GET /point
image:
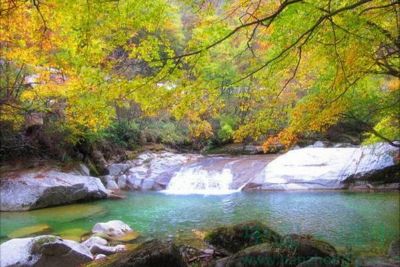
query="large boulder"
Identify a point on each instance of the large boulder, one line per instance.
(153, 253)
(293, 250)
(307, 246)
(324, 167)
(43, 251)
(239, 236)
(265, 254)
(43, 188)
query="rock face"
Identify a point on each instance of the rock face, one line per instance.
(239, 236)
(324, 168)
(43, 251)
(43, 188)
(312, 167)
(154, 253)
(149, 171)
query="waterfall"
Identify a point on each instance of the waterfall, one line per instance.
(197, 180)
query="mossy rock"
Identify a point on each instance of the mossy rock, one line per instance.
(307, 246)
(239, 236)
(153, 253)
(75, 234)
(37, 229)
(284, 255)
(265, 254)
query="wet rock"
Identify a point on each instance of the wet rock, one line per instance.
(154, 253)
(43, 251)
(236, 237)
(153, 171)
(43, 188)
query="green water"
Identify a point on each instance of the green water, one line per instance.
(366, 222)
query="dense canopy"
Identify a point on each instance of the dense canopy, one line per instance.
(266, 71)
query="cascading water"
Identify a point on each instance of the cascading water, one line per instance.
(196, 180)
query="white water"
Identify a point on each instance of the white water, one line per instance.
(196, 180)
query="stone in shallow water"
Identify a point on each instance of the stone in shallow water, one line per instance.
(73, 234)
(36, 229)
(115, 230)
(111, 228)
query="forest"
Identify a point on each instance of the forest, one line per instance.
(195, 74)
(199, 133)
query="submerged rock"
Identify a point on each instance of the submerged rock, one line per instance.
(154, 253)
(236, 237)
(43, 188)
(43, 251)
(75, 234)
(36, 229)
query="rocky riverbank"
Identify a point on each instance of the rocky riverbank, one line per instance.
(373, 167)
(252, 243)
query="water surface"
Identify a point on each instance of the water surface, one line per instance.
(366, 222)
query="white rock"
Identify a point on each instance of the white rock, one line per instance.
(325, 168)
(99, 257)
(43, 251)
(43, 188)
(121, 181)
(112, 228)
(94, 240)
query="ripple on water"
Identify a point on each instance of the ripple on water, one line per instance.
(364, 221)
